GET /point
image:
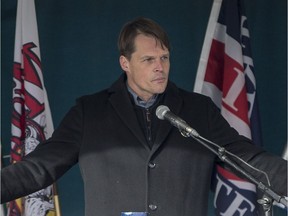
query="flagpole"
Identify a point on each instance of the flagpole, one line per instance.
(56, 200)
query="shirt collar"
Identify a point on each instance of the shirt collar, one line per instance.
(139, 102)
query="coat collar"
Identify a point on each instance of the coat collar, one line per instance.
(120, 100)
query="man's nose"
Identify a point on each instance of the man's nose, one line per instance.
(158, 65)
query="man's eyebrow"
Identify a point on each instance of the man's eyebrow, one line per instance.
(150, 56)
(147, 56)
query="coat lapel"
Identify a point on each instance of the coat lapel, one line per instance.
(174, 102)
(120, 100)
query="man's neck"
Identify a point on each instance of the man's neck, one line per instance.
(139, 101)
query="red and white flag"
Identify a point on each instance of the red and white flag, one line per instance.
(31, 117)
(226, 74)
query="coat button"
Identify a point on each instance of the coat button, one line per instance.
(153, 207)
(152, 165)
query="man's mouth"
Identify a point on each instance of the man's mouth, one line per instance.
(159, 79)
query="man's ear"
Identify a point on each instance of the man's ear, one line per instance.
(124, 63)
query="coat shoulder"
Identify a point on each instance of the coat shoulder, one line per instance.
(94, 98)
(194, 97)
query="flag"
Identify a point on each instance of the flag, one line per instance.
(1, 206)
(285, 157)
(226, 74)
(1, 210)
(31, 117)
(285, 153)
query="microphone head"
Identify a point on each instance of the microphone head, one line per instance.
(161, 111)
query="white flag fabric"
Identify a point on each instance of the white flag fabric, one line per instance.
(285, 153)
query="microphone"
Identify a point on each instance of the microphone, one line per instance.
(163, 112)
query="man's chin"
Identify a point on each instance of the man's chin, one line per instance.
(160, 91)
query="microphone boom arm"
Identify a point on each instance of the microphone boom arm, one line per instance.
(221, 153)
(269, 194)
(163, 112)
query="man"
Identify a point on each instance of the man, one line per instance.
(129, 159)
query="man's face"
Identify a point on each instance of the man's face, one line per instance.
(148, 69)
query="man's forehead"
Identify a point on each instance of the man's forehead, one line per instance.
(142, 39)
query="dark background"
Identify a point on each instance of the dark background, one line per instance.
(79, 56)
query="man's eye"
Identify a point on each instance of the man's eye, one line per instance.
(149, 59)
(164, 58)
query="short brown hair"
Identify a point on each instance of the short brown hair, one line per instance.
(138, 26)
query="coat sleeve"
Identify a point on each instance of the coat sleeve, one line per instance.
(49, 161)
(228, 137)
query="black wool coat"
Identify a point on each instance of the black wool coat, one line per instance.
(120, 172)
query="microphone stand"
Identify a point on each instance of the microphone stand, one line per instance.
(269, 195)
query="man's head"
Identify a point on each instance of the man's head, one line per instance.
(144, 56)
